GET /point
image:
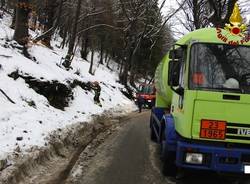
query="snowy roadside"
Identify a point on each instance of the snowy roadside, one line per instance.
(31, 119)
(48, 164)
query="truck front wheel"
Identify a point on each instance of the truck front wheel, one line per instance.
(152, 135)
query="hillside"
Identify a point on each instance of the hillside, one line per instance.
(39, 96)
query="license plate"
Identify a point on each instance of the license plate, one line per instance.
(212, 129)
(247, 169)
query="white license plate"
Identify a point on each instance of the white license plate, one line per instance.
(247, 169)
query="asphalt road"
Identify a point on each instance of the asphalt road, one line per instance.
(129, 157)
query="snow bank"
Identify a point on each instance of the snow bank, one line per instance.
(31, 119)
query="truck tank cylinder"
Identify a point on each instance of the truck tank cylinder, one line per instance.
(163, 91)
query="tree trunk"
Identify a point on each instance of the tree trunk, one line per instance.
(64, 39)
(101, 52)
(70, 53)
(120, 66)
(84, 50)
(34, 23)
(127, 64)
(108, 60)
(2, 4)
(106, 57)
(91, 62)
(132, 77)
(52, 21)
(12, 26)
(21, 34)
(50, 8)
(124, 75)
(65, 33)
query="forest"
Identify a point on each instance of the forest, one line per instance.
(134, 33)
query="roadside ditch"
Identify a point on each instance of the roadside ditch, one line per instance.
(53, 163)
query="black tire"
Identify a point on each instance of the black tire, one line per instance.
(152, 135)
(168, 159)
(168, 167)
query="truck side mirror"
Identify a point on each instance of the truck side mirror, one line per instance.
(174, 73)
(176, 54)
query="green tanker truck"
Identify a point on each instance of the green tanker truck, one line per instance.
(202, 114)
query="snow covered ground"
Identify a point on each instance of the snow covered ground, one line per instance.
(31, 119)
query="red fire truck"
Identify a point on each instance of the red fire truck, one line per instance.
(147, 92)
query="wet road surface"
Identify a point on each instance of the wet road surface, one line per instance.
(129, 157)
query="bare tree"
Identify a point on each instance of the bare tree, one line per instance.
(140, 28)
(53, 11)
(73, 35)
(221, 11)
(194, 14)
(133, 33)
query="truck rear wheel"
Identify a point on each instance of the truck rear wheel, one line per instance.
(168, 158)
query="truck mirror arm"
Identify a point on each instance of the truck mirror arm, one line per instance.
(179, 90)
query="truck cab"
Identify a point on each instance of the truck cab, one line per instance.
(201, 118)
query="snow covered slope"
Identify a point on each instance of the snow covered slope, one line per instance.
(30, 119)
